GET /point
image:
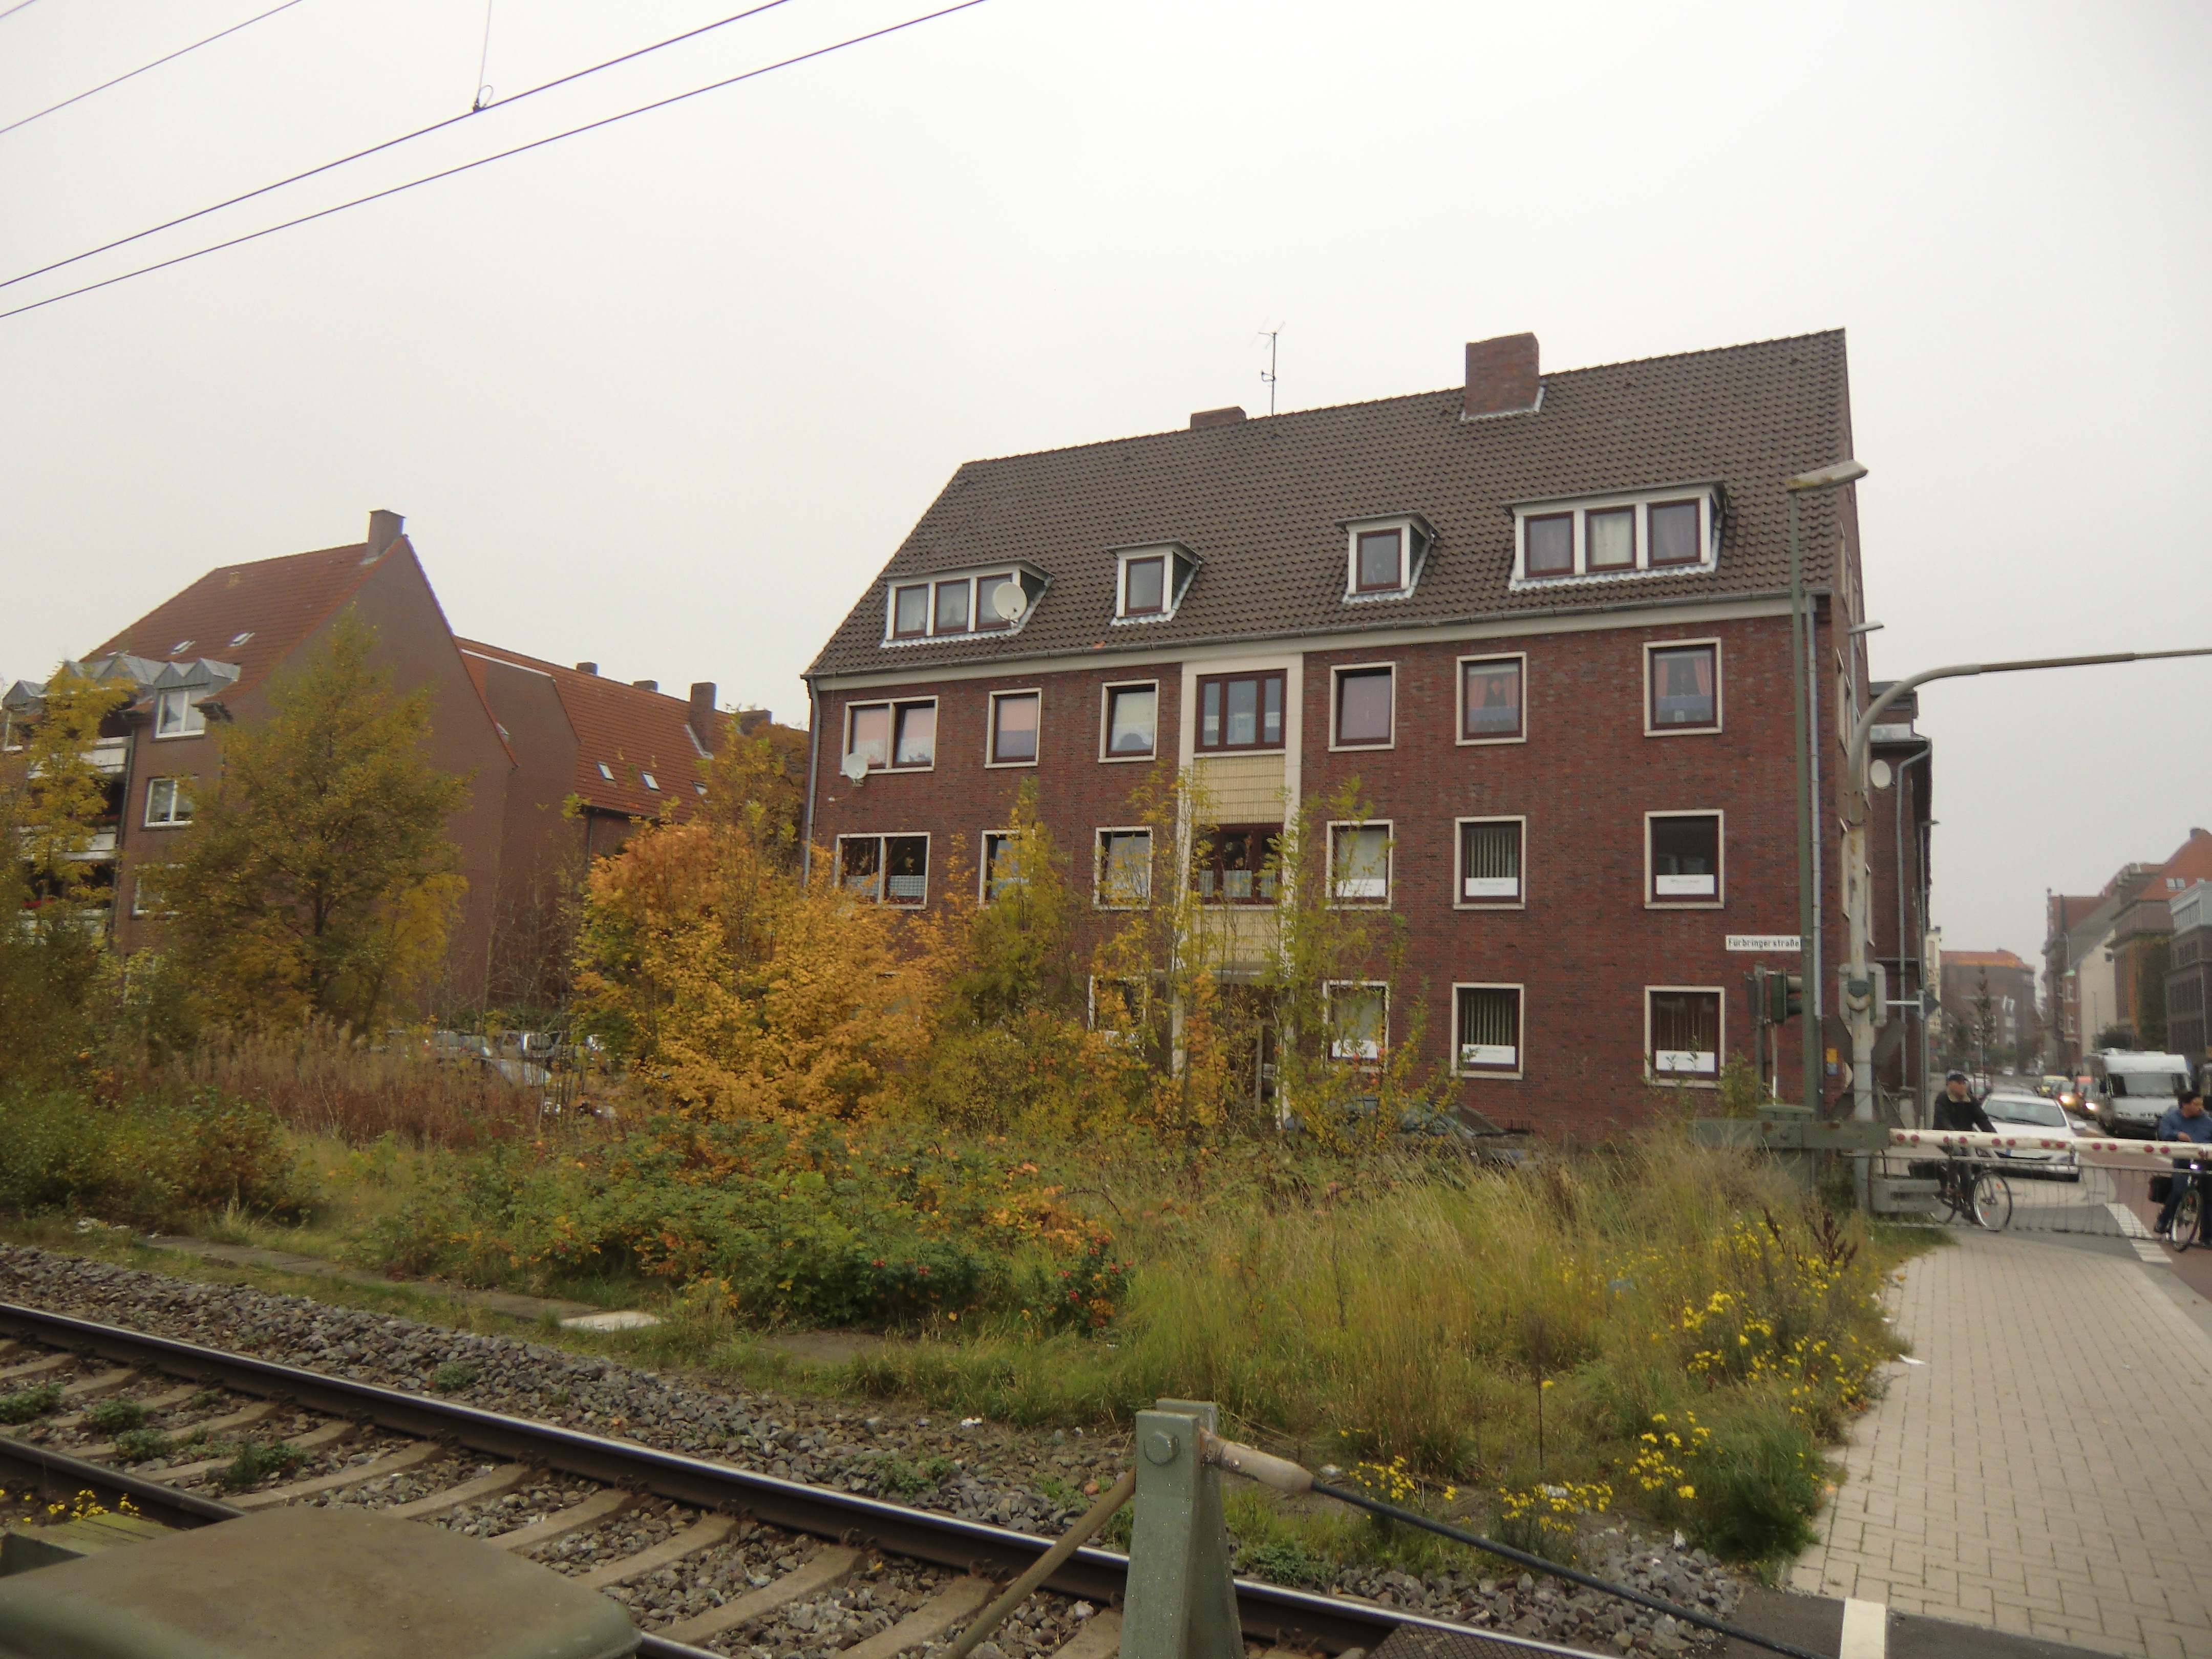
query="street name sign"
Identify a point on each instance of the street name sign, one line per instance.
(1767, 944)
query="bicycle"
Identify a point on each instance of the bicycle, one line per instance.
(1967, 1186)
(2192, 1216)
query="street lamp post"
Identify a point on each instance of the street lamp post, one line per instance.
(1859, 992)
(1801, 627)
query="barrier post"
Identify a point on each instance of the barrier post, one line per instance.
(1181, 1602)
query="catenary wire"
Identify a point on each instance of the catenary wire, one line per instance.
(390, 143)
(468, 166)
(171, 58)
(20, 5)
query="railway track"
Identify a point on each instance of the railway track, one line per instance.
(707, 1559)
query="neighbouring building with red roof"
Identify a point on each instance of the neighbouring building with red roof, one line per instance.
(1542, 619)
(2009, 982)
(2110, 956)
(561, 763)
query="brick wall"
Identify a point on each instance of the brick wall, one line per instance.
(1586, 945)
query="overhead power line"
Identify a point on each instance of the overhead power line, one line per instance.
(520, 150)
(142, 67)
(20, 5)
(389, 143)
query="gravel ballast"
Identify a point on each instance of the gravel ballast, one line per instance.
(1027, 1482)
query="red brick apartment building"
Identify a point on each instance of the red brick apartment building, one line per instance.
(1542, 619)
(529, 736)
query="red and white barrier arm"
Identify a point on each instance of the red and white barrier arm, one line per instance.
(1974, 1140)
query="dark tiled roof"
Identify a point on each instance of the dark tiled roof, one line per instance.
(1260, 501)
(631, 730)
(278, 602)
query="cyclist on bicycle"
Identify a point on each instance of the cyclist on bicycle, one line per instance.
(1957, 1109)
(2185, 1120)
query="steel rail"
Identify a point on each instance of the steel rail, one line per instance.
(1266, 1610)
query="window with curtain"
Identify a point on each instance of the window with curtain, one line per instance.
(1125, 869)
(1489, 1018)
(1685, 1034)
(1685, 688)
(1490, 699)
(1612, 537)
(1014, 728)
(1132, 713)
(1490, 861)
(1551, 544)
(1240, 711)
(1230, 864)
(1674, 533)
(1363, 705)
(1359, 863)
(1358, 1020)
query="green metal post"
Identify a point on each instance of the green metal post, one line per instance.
(1181, 1603)
(1808, 1033)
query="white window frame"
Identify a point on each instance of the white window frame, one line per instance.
(138, 892)
(1710, 519)
(1098, 863)
(890, 740)
(979, 580)
(1459, 697)
(1652, 899)
(1460, 901)
(1496, 1073)
(1137, 1015)
(929, 865)
(1719, 688)
(1389, 827)
(1106, 721)
(192, 719)
(983, 895)
(1652, 1074)
(1328, 990)
(173, 822)
(1336, 674)
(1415, 537)
(1180, 570)
(991, 728)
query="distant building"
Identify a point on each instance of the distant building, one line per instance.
(2009, 983)
(2107, 957)
(560, 764)
(2188, 974)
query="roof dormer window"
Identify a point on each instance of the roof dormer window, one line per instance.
(1383, 556)
(1149, 582)
(960, 604)
(1599, 537)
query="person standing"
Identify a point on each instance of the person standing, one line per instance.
(2185, 1120)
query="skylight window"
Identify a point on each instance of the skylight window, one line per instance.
(606, 772)
(181, 648)
(651, 782)
(240, 639)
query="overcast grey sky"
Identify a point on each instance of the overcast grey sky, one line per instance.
(666, 395)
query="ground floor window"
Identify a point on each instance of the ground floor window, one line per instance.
(1118, 1008)
(887, 869)
(1358, 1019)
(1682, 1032)
(1123, 877)
(1488, 1020)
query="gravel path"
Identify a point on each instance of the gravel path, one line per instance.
(1031, 1482)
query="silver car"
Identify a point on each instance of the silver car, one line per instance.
(2015, 1111)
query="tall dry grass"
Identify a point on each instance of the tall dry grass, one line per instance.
(321, 1079)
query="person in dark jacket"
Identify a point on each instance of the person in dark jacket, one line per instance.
(1956, 1108)
(2185, 1121)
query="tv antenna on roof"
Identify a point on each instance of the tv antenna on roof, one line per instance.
(1268, 375)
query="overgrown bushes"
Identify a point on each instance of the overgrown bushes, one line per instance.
(149, 1161)
(814, 1226)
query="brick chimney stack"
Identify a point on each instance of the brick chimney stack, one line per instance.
(1228, 416)
(706, 725)
(587, 668)
(1501, 377)
(384, 528)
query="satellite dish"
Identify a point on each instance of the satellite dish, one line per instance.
(1008, 601)
(855, 768)
(1878, 775)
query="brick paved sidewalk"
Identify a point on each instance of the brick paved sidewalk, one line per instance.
(2018, 1477)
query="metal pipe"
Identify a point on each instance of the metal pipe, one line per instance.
(1807, 965)
(1922, 1082)
(1046, 1564)
(813, 767)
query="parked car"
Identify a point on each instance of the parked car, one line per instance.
(2130, 1090)
(2016, 1110)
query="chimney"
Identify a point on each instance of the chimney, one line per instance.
(704, 725)
(1501, 377)
(384, 528)
(1228, 416)
(751, 721)
(647, 686)
(587, 668)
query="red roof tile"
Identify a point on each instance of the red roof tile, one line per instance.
(630, 731)
(252, 615)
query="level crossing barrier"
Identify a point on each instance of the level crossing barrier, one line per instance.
(2090, 1184)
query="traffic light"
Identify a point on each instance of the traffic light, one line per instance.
(1785, 996)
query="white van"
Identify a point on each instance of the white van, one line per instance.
(2128, 1092)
